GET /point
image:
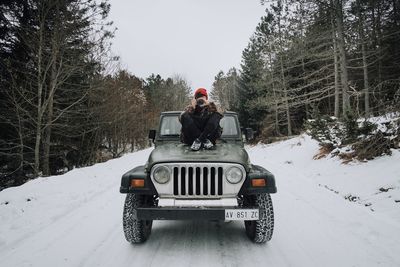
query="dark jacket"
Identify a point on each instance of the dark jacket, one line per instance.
(202, 116)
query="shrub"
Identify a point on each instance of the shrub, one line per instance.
(351, 138)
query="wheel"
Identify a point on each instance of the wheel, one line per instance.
(136, 231)
(261, 230)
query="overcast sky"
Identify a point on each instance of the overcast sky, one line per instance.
(193, 38)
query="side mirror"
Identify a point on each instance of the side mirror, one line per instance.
(249, 133)
(152, 135)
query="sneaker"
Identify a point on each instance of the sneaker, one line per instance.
(196, 145)
(208, 144)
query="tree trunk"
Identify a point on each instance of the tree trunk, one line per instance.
(21, 142)
(39, 103)
(342, 56)
(275, 101)
(376, 30)
(47, 129)
(47, 138)
(365, 65)
(55, 45)
(303, 48)
(380, 54)
(289, 124)
(336, 70)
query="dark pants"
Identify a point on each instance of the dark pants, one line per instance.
(192, 129)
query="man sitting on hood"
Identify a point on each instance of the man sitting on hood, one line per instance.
(200, 122)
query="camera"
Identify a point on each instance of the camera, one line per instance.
(200, 103)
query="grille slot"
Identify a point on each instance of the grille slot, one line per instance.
(198, 181)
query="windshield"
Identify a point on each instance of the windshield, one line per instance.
(170, 126)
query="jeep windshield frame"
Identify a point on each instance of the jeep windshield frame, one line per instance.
(170, 127)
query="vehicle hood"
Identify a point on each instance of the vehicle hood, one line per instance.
(178, 152)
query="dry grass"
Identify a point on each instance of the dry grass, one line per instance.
(324, 150)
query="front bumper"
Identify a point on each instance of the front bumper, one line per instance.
(186, 213)
(246, 189)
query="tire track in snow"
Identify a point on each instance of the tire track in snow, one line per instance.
(72, 224)
(65, 212)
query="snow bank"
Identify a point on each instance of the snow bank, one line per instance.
(356, 139)
(38, 203)
(374, 184)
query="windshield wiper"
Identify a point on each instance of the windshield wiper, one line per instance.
(170, 135)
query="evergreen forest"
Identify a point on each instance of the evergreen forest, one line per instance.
(314, 58)
(66, 102)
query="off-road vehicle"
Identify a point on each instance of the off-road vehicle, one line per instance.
(179, 184)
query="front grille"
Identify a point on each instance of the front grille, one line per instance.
(197, 181)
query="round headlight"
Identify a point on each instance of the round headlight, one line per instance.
(234, 175)
(161, 174)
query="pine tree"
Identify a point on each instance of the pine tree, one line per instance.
(225, 89)
(251, 89)
(47, 70)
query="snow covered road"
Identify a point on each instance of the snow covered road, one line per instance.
(75, 220)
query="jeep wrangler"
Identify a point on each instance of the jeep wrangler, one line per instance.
(177, 183)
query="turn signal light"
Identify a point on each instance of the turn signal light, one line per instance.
(258, 182)
(137, 183)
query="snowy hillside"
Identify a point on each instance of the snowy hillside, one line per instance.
(326, 214)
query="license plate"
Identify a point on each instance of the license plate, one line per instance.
(241, 214)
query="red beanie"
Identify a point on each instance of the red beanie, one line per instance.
(200, 92)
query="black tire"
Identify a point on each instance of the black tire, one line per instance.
(260, 231)
(136, 231)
